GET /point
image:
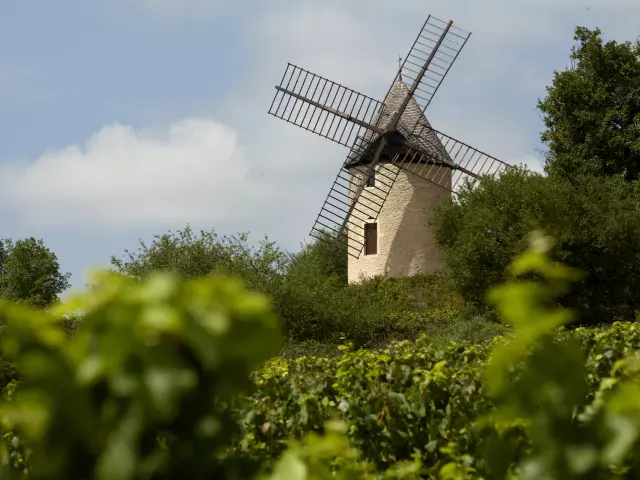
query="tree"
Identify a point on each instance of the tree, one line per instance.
(314, 284)
(308, 289)
(30, 273)
(592, 110)
(323, 258)
(194, 256)
(596, 222)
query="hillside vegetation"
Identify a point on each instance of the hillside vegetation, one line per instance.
(166, 379)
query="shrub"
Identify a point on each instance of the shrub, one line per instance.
(541, 403)
(410, 398)
(308, 289)
(370, 313)
(316, 303)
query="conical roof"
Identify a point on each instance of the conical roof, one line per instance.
(413, 125)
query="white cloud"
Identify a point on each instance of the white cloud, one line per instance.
(194, 170)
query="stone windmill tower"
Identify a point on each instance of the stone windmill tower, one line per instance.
(398, 167)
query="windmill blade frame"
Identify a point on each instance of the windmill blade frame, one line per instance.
(408, 113)
(350, 203)
(466, 162)
(429, 60)
(324, 107)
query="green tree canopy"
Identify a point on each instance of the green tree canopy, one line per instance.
(592, 110)
(30, 273)
(588, 201)
(321, 258)
(596, 222)
(195, 256)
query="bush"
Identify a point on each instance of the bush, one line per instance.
(410, 398)
(144, 388)
(414, 398)
(308, 289)
(322, 258)
(317, 305)
(370, 313)
(595, 220)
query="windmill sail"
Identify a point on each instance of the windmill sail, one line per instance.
(323, 107)
(467, 163)
(430, 154)
(350, 203)
(430, 58)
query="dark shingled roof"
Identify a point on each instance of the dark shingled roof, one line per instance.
(413, 125)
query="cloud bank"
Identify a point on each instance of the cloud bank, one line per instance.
(193, 169)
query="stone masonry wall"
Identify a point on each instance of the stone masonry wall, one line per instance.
(405, 243)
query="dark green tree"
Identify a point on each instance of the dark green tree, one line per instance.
(323, 258)
(314, 284)
(30, 273)
(316, 302)
(595, 220)
(592, 110)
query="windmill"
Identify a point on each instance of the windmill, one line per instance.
(398, 166)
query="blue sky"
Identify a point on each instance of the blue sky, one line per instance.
(124, 118)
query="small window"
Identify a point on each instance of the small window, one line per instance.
(370, 238)
(371, 181)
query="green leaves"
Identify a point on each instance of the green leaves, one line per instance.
(166, 378)
(195, 256)
(588, 201)
(529, 306)
(30, 273)
(592, 110)
(153, 358)
(316, 457)
(401, 404)
(541, 404)
(570, 439)
(595, 221)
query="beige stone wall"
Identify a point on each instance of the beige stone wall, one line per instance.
(405, 243)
